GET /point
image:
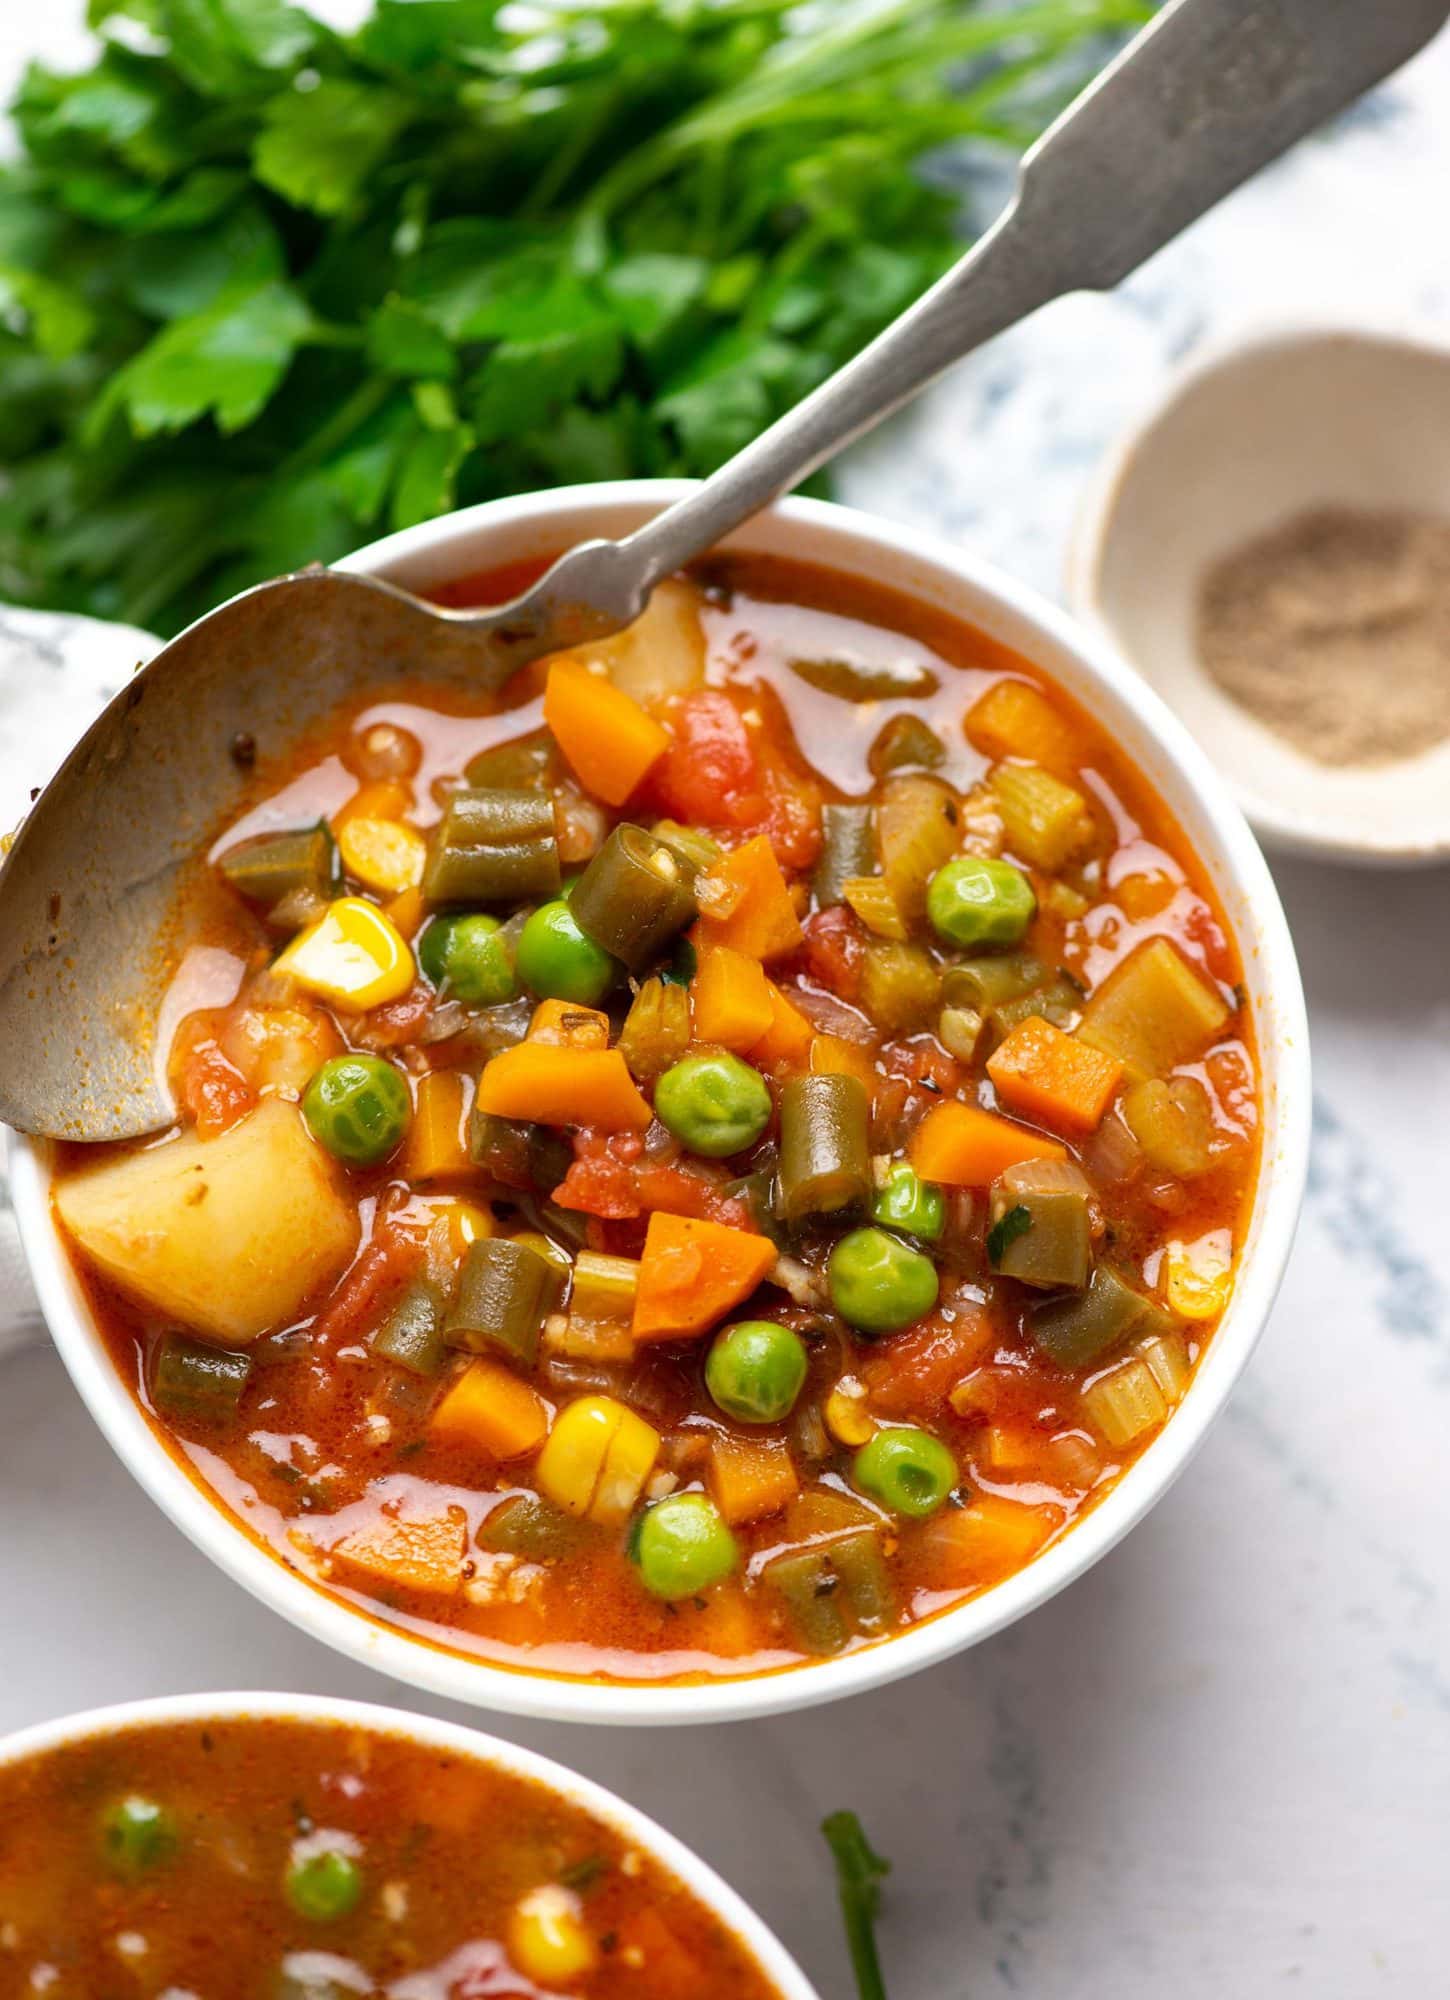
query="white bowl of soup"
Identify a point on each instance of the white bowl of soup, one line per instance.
(310, 1849)
(812, 1138)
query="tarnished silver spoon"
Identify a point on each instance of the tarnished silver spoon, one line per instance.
(1205, 96)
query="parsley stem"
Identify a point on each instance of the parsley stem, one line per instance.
(859, 1871)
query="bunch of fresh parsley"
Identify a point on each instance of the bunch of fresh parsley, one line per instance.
(267, 290)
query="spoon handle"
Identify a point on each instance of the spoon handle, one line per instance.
(1208, 93)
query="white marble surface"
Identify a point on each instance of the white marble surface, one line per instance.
(1219, 1764)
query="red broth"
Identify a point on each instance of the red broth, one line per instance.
(293, 1860)
(1058, 1093)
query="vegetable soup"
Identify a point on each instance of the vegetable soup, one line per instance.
(323, 1861)
(696, 1163)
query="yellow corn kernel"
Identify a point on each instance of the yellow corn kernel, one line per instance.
(382, 853)
(436, 1146)
(547, 1940)
(597, 1459)
(351, 956)
(494, 1408)
(1198, 1276)
(847, 1418)
(628, 1463)
(455, 1224)
(568, 1026)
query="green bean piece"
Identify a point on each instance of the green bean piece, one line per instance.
(298, 869)
(696, 848)
(1080, 1327)
(905, 743)
(323, 1883)
(635, 896)
(848, 850)
(860, 1564)
(825, 1152)
(656, 1031)
(984, 983)
(504, 1291)
(814, 1598)
(1059, 1002)
(864, 680)
(528, 1525)
(516, 1154)
(525, 763)
(494, 846)
(1041, 1224)
(137, 1835)
(411, 1336)
(906, 1202)
(193, 1380)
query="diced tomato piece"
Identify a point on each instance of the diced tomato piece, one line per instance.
(211, 1091)
(708, 776)
(833, 951)
(793, 817)
(385, 1262)
(600, 1186)
(910, 1374)
(679, 1192)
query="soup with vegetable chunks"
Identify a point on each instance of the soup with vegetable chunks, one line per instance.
(699, 1163)
(322, 1861)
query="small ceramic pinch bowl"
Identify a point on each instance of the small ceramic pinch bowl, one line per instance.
(1239, 444)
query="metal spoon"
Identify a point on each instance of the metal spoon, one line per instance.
(1204, 97)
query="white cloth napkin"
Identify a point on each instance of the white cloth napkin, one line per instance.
(56, 674)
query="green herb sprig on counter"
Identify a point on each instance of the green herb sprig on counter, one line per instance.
(859, 1874)
(267, 290)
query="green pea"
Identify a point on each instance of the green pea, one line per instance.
(878, 1284)
(468, 956)
(682, 1546)
(910, 1204)
(755, 1370)
(558, 962)
(907, 1470)
(323, 1883)
(358, 1107)
(974, 901)
(713, 1104)
(137, 1835)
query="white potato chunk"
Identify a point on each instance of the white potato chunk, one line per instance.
(661, 654)
(229, 1235)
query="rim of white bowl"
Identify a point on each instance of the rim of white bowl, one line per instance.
(458, 1739)
(983, 597)
(1286, 831)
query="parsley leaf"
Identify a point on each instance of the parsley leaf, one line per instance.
(267, 289)
(1006, 1229)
